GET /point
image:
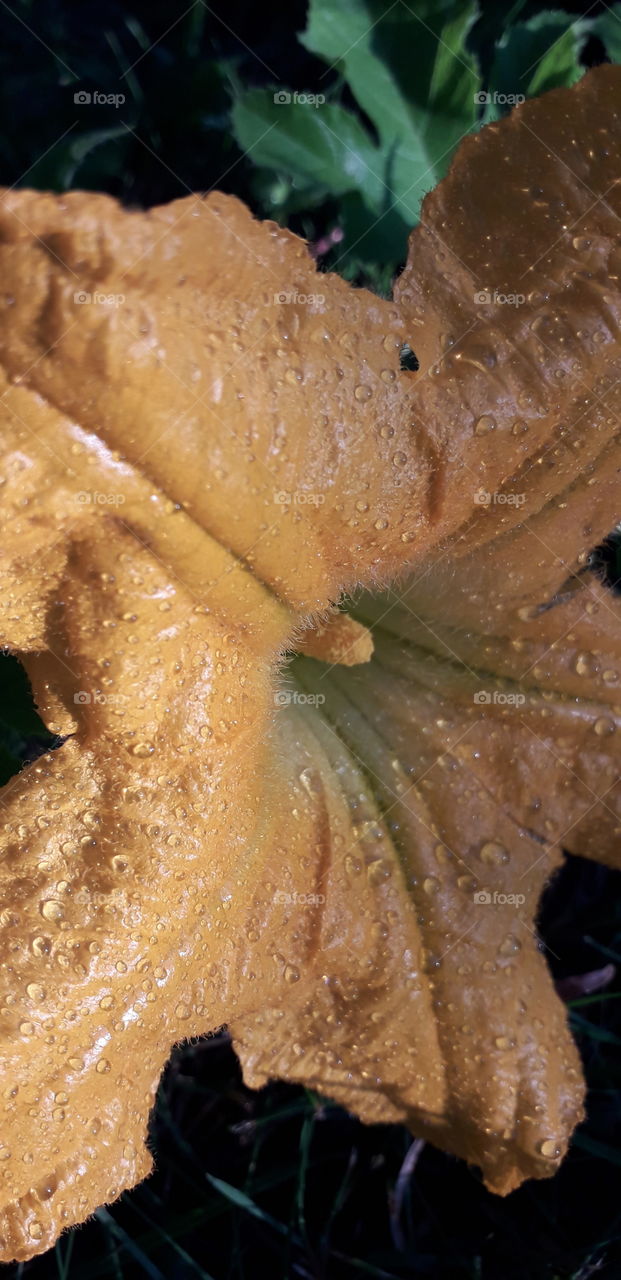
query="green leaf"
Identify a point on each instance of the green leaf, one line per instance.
(419, 118)
(243, 1201)
(534, 56)
(324, 143)
(608, 27)
(58, 167)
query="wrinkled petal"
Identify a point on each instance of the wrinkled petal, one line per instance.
(203, 443)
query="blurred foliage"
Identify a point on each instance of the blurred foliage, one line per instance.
(279, 1184)
(419, 78)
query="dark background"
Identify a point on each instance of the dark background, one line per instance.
(304, 1190)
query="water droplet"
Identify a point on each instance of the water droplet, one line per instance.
(363, 392)
(40, 945)
(353, 866)
(91, 819)
(431, 885)
(46, 1189)
(510, 945)
(549, 1149)
(602, 727)
(291, 973)
(52, 909)
(484, 424)
(381, 524)
(143, 749)
(103, 1066)
(378, 871)
(35, 991)
(504, 1042)
(584, 664)
(493, 853)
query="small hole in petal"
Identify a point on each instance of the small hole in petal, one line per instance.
(605, 559)
(23, 735)
(407, 359)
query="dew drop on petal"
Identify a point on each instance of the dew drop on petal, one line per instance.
(52, 909)
(35, 992)
(493, 853)
(484, 424)
(549, 1149)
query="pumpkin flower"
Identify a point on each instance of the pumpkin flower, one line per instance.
(335, 673)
